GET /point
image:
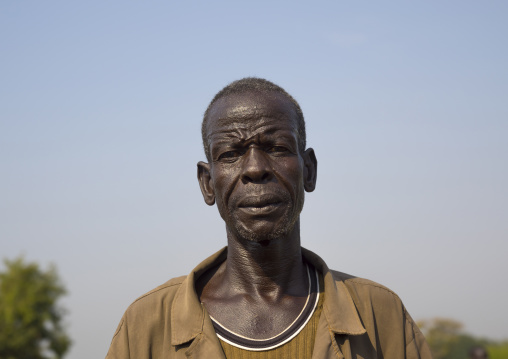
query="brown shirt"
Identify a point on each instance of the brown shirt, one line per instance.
(360, 319)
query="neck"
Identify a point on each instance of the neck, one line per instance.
(271, 268)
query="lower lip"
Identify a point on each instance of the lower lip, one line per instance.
(261, 211)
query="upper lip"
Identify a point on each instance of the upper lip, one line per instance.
(259, 200)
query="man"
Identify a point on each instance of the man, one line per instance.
(263, 296)
(478, 353)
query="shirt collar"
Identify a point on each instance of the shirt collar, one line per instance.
(338, 307)
(188, 314)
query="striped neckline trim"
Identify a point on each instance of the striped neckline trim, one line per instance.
(287, 334)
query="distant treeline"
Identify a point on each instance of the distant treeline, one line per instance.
(448, 340)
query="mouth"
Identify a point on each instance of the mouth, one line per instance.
(262, 204)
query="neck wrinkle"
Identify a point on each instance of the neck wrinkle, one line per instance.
(270, 269)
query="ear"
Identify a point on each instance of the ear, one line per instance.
(310, 170)
(206, 183)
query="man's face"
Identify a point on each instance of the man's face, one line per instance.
(257, 171)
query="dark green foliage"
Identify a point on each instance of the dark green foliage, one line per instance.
(30, 319)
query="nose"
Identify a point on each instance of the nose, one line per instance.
(256, 167)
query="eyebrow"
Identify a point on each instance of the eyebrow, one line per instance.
(235, 142)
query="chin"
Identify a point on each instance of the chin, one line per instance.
(266, 230)
(266, 235)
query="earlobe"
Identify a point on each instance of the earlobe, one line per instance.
(310, 170)
(206, 183)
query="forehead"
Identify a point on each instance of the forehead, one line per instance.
(251, 111)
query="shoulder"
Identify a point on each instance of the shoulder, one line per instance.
(147, 314)
(369, 294)
(163, 291)
(384, 316)
(362, 286)
(363, 292)
(156, 301)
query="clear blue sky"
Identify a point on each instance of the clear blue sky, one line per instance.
(406, 107)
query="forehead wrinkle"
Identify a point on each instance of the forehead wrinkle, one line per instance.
(246, 131)
(249, 112)
(222, 135)
(256, 109)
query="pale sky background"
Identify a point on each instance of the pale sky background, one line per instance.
(406, 107)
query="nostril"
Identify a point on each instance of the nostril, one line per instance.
(259, 177)
(256, 168)
(246, 179)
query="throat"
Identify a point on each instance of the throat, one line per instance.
(264, 326)
(259, 290)
(266, 266)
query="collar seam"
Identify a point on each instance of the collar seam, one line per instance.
(187, 338)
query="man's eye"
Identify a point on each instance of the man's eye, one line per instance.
(230, 155)
(277, 149)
